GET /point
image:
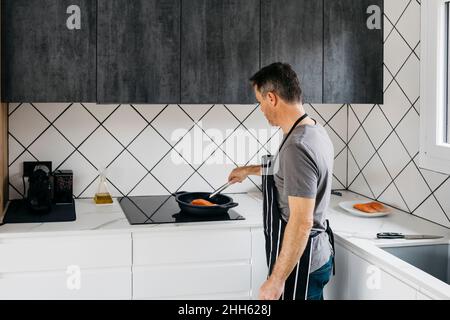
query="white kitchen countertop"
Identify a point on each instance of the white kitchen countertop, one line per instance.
(91, 217)
(108, 218)
(357, 234)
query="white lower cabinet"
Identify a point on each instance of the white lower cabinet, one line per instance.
(338, 287)
(66, 267)
(358, 279)
(58, 252)
(192, 264)
(150, 264)
(114, 283)
(185, 281)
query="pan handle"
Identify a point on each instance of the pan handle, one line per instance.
(179, 193)
(228, 205)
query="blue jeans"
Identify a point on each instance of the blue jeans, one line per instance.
(318, 279)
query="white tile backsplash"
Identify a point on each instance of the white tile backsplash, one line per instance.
(412, 186)
(377, 127)
(393, 197)
(125, 124)
(172, 171)
(149, 185)
(149, 147)
(218, 123)
(26, 124)
(49, 142)
(408, 131)
(396, 51)
(376, 175)
(431, 210)
(340, 170)
(361, 148)
(101, 112)
(76, 131)
(85, 172)
(149, 111)
(101, 148)
(15, 149)
(121, 175)
(396, 104)
(409, 78)
(394, 155)
(51, 110)
(170, 121)
(411, 189)
(408, 26)
(394, 8)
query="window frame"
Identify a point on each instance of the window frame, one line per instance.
(434, 147)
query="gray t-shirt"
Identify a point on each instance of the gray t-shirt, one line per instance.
(304, 168)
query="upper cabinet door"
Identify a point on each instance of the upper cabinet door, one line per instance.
(138, 51)
(219, 50)
(48, 50)
(292, 32)
(353, 51)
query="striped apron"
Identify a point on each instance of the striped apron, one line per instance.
(296, 285)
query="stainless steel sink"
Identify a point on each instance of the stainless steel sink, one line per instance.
(432, 259)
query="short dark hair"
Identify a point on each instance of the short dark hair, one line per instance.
(281, 79)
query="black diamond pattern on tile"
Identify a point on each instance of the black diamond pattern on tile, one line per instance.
(12, 107)
(395, 27)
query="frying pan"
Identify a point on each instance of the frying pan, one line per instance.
(223, 203)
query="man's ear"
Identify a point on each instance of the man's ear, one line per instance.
(273, 99)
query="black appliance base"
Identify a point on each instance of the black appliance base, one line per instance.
(18, 212)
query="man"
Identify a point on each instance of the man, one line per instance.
(296, 187)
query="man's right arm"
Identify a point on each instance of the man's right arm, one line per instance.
(241, 173)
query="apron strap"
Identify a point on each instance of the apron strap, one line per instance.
(331, 238)
(303, 117)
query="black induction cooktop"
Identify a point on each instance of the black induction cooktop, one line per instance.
(164, 209)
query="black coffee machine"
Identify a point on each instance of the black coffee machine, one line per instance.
(47, 196)
(40, 186)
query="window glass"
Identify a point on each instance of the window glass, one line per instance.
(447, 91)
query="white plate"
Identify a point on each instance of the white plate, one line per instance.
(348, 206)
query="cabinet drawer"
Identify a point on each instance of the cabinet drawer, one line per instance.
(191, 246)
(369, 282)
(189, 280)
(93, 284)
(57, 253)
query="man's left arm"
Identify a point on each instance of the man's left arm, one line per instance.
(295, 240)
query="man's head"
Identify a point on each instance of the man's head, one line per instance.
(276, 87)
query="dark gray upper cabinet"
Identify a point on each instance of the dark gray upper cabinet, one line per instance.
(188, 51)
(292, 32)
(42, 58)
(219, 50)
(138, 51)
(353, 53)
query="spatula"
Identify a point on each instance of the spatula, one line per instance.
(226, 185)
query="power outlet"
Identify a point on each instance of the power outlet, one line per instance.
(28, 167)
